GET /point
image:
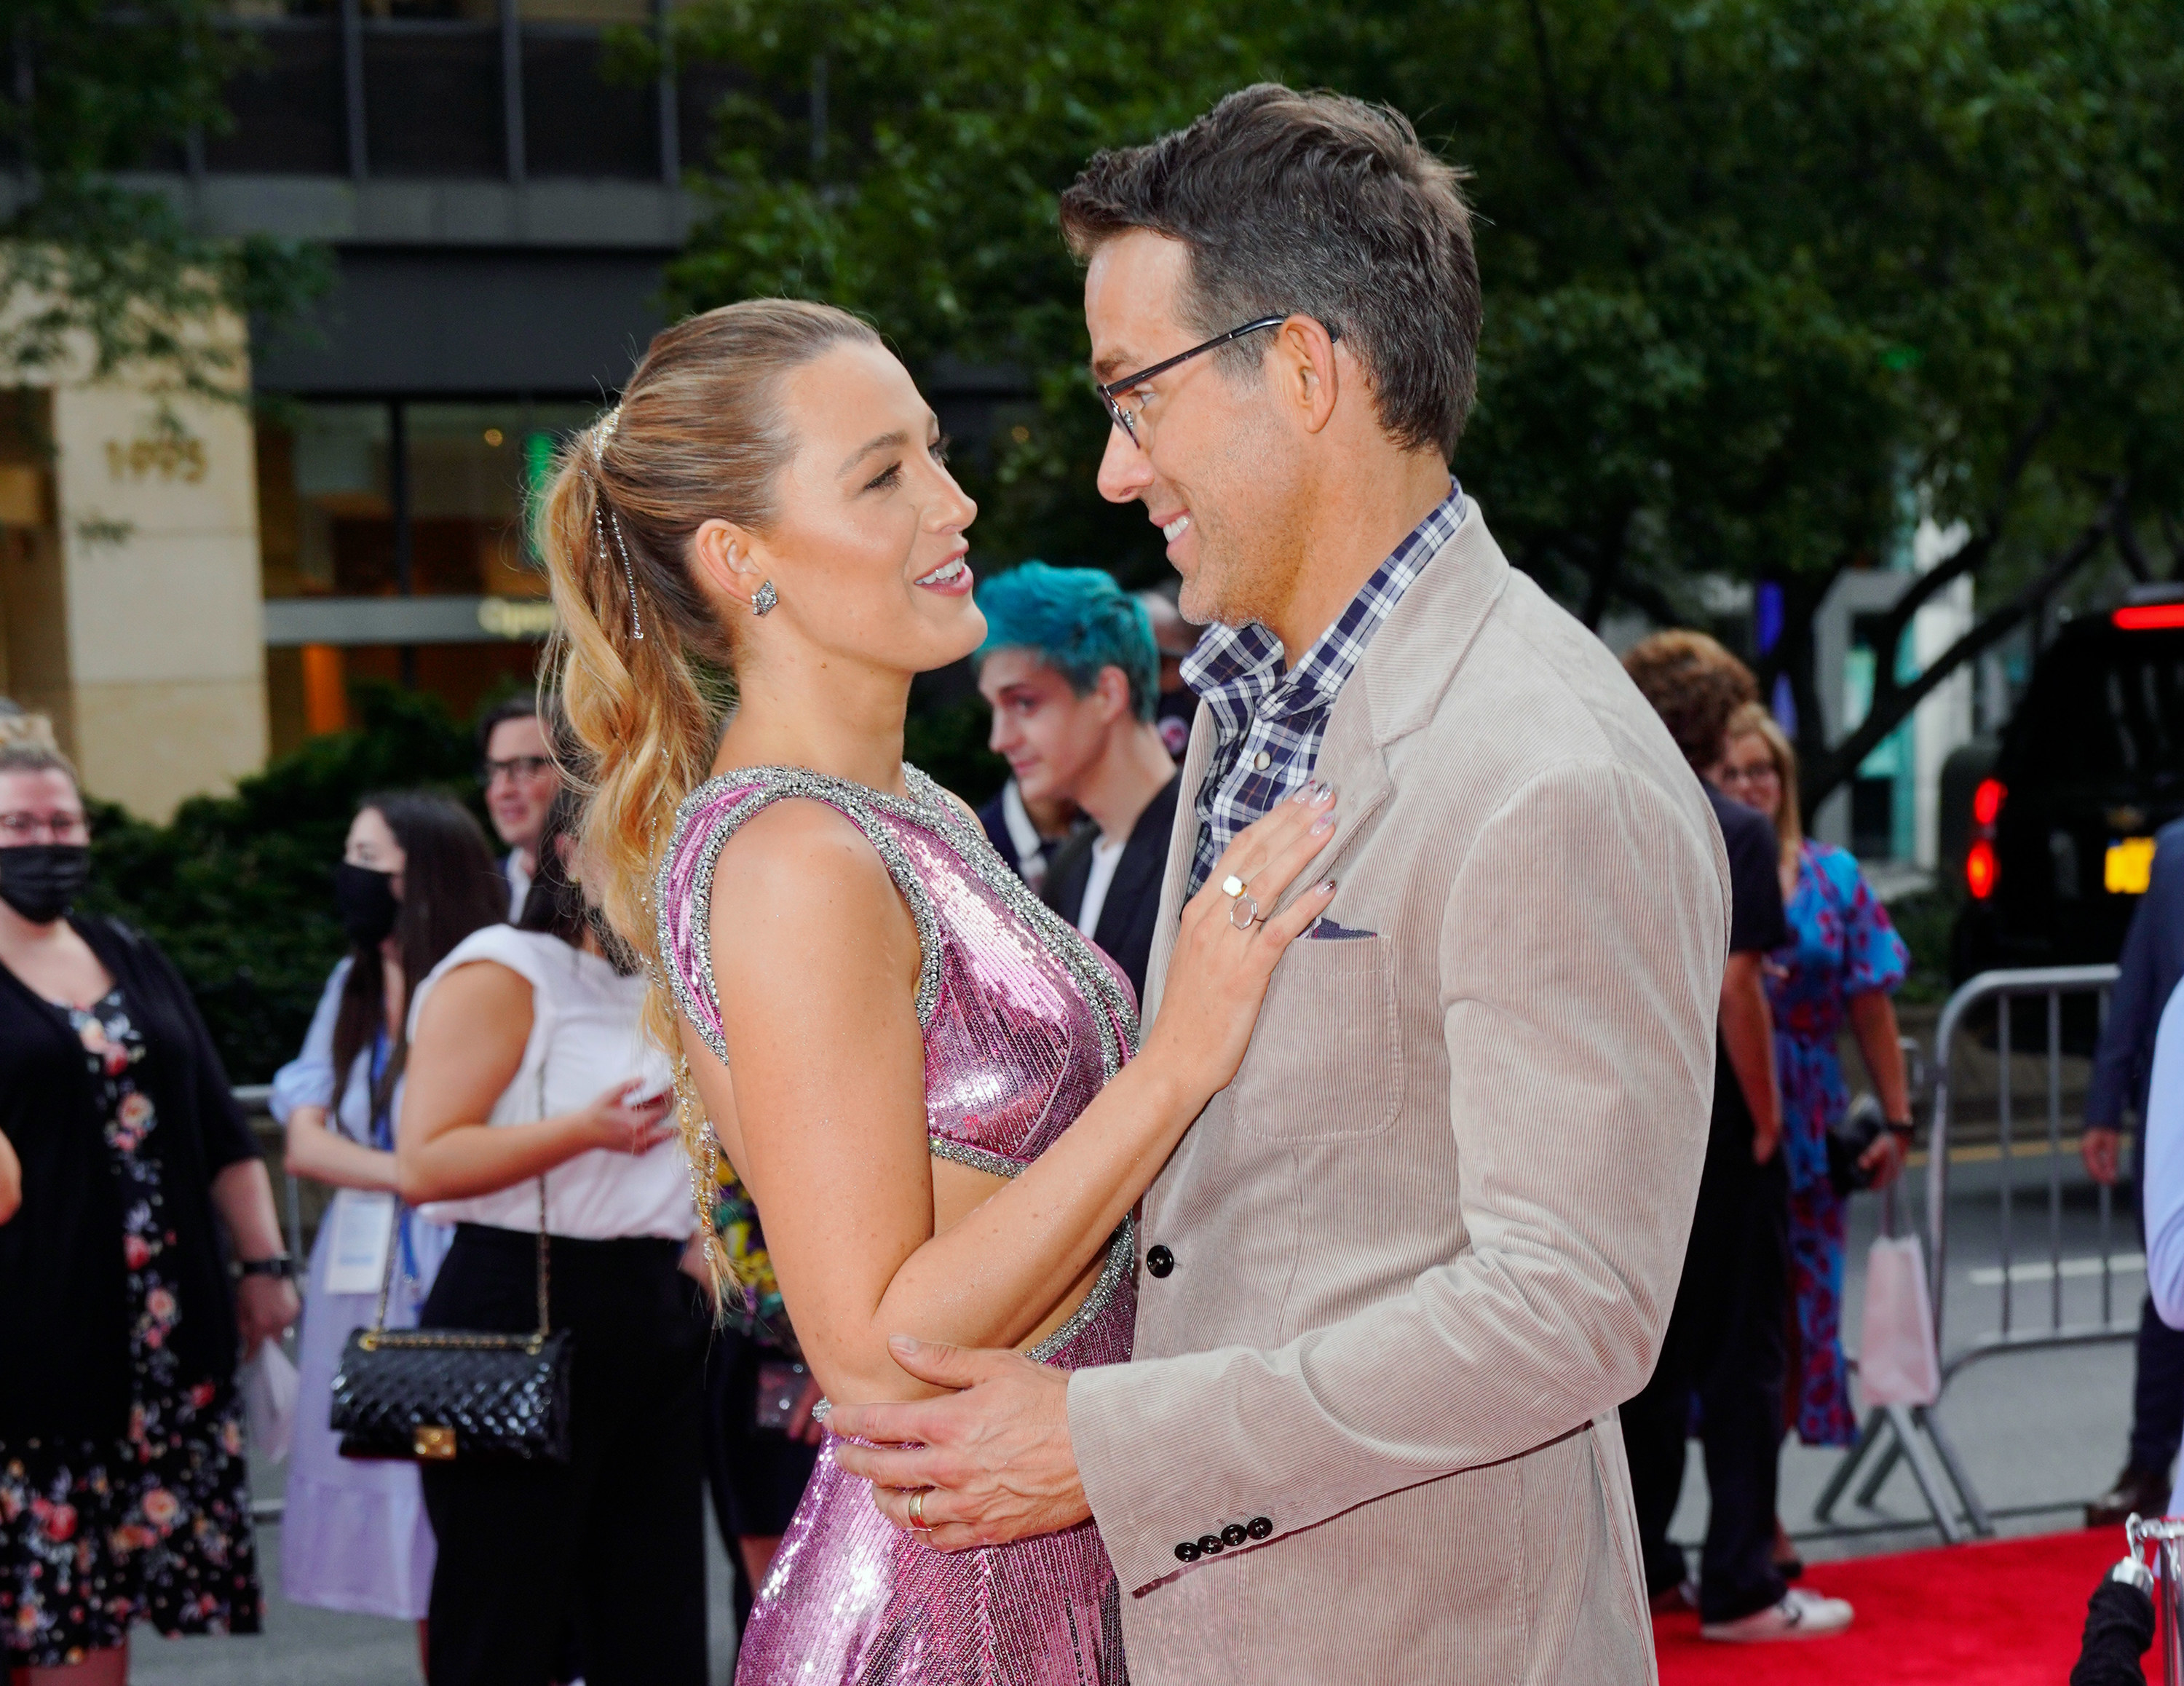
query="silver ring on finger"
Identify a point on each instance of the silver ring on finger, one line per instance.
(1243, 911)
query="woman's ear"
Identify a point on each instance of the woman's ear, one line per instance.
(720, 552)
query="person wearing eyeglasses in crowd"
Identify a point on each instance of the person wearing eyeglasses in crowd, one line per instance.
(415, 878)
(515, 766)
(124, 1493)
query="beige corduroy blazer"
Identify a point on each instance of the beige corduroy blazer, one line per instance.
(1428, 1239)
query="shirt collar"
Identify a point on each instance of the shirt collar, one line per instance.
(1234, 667)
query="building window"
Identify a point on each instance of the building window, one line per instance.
(395, 548)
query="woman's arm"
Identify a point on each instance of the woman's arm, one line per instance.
(326, 1155)
(817, 959)
(1873, 1018)
(469, 1044)
(242, 1194)
(11, 1180)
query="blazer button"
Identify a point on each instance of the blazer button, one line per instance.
(1187, 1552)
(1234, 1534)
(1210, 1544)
(1259, 1527)
(1159, 1261)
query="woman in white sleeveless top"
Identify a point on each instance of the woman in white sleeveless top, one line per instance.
(528, 1061)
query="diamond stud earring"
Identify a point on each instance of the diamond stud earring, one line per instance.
(764, 598)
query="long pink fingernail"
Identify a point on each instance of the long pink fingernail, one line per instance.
(1323, 823)
(1327, 886)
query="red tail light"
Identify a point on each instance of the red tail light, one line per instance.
(2148, 617)
(1987, 800)
(1981, 871)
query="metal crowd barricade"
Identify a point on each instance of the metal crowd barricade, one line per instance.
(1890, 1433)
(255, 1100)
(2156, 1544)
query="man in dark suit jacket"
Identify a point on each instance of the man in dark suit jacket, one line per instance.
(1072, 674)
(1124, 927)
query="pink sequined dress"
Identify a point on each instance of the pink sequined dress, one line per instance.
(1024, 1021)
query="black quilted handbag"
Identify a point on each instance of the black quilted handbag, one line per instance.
(437, 1394)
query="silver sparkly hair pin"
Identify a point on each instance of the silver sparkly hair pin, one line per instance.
(603, 432)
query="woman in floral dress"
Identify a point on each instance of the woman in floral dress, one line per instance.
(1842, 962)
(123, 1490)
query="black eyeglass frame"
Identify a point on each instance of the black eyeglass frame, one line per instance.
(1108, 393)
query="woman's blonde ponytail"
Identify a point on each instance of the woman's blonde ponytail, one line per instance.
(645, 657)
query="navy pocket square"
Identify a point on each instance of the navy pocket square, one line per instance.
(1328, 930)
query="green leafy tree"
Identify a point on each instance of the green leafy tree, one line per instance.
(86, 261)
(1767, 280)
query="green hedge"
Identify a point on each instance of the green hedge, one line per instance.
(238, 889)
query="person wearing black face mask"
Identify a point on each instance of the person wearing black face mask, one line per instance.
(123, 1489)
(415, 878)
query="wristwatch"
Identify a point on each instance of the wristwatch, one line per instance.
(280, 1267)
(1901, 1128)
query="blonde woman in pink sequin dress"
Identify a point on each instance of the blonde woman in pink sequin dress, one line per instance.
(925, 1078)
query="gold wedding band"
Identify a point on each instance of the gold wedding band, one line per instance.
(917, 1509)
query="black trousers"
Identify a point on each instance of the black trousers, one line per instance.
(1724, 1354)
(613, 1541)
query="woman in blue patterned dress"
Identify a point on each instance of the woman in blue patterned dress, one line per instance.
(1843, 961)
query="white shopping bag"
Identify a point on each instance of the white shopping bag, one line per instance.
(1896, 1363)
(269, 1401)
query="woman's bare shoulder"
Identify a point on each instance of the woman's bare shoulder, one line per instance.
(799, 872)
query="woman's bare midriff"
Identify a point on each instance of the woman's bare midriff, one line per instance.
(958, 1190)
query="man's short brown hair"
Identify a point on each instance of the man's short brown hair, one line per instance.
(1319, 205)
(1694, 686)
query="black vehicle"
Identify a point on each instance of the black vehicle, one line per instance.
(2090, 765)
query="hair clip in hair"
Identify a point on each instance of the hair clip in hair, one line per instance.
(601, 519)
(602, 431)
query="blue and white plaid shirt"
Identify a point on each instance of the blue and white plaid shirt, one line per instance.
(1268, 724)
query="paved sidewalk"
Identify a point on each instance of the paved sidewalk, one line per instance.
(306, 1647)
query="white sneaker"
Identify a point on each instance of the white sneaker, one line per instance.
(1800, 1616)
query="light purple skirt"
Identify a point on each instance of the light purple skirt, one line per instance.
(354, 1536)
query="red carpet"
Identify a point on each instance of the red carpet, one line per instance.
(2006, 1614)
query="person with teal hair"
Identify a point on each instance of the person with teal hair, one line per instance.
(1071, 670)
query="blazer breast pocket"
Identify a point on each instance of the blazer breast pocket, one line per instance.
(1323, 1062)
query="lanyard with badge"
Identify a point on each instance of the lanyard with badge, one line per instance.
(364, 1224)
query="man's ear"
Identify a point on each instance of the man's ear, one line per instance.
(1302, 367)
(1112, 688)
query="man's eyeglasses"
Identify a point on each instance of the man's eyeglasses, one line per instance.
(1115, 391)
(60, 828)
(524, 767)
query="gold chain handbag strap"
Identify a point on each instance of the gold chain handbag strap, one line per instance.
(424, 1338)
(545, 1256)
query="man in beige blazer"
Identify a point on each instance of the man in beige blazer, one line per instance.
(1400, 1271)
